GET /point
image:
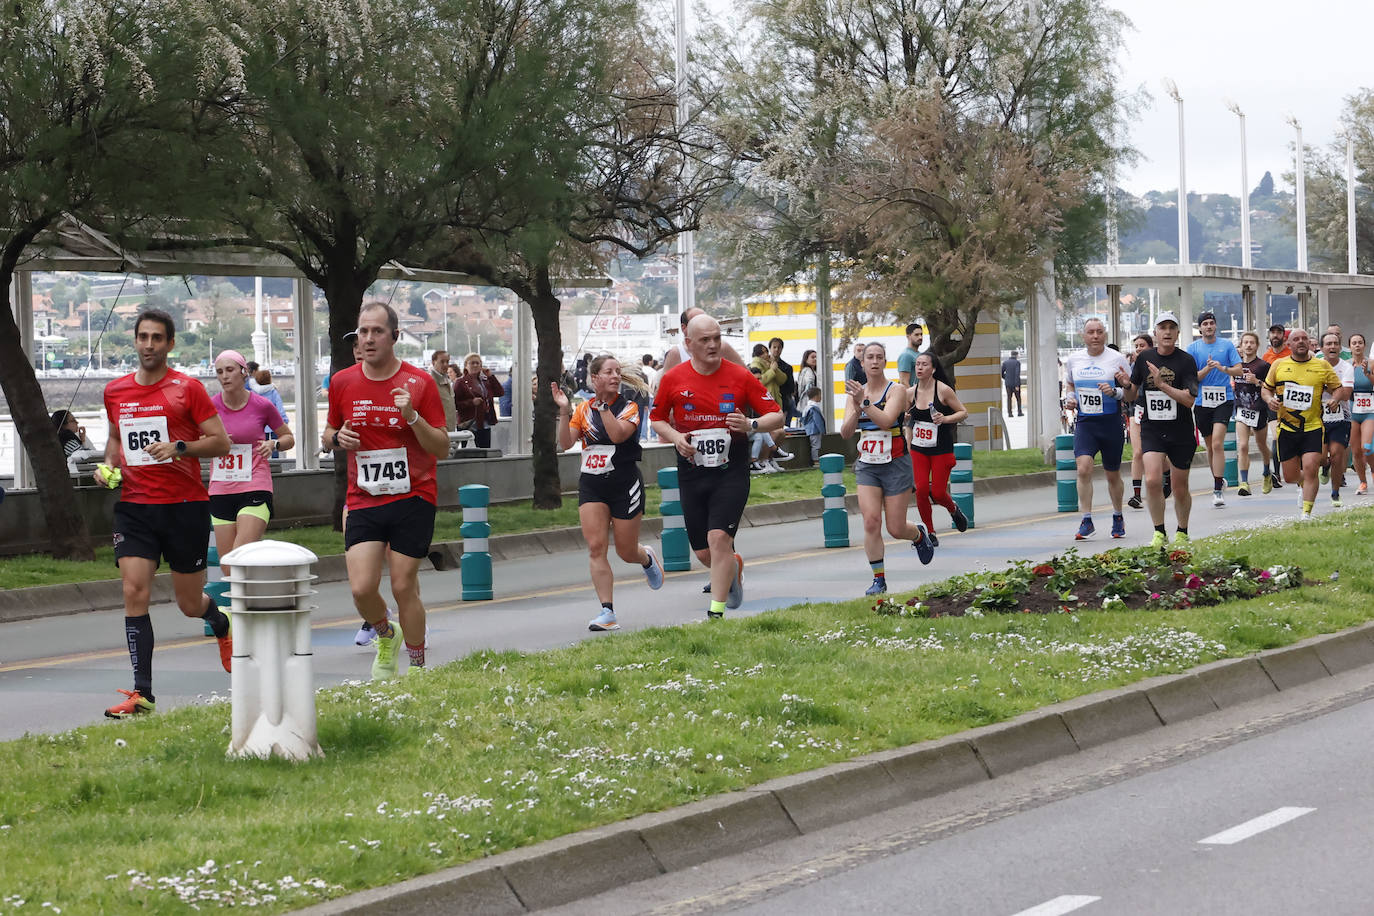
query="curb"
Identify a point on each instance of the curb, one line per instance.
(18, 604)
(593, 861)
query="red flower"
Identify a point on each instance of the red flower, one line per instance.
(1194, 582)
(1044, 569)
(1179, 556)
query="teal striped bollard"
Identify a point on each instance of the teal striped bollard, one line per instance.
(961, 479)
(677, 553)
(1231, 471)
(1066, 473)
(475, 564)
(834, 517)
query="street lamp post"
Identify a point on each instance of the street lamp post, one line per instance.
(1172, 89)
(1302, 195)
(1244, 190)
(686, 276)
(1351, 260)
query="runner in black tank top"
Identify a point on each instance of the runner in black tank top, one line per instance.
(935, 411)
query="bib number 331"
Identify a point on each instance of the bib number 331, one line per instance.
(384, 472)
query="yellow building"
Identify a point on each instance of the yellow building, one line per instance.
(790, 313)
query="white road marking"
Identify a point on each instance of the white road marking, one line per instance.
(1065, 903)
(1257, 825)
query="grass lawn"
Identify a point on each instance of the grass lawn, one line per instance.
(502, 750)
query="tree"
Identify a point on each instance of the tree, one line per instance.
(955, 218)
(620, 175)
(89, 92)
(1327, 221)
(822, 78)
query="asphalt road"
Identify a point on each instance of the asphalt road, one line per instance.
(1261, 809)
(62, 672)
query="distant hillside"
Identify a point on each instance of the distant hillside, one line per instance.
(1149, 227)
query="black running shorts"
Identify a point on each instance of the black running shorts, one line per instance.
(623, 491)
(713, 499)
(406, 526)
(1295, 444)
(176, 532)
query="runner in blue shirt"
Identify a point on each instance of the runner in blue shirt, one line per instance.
(1217, 363)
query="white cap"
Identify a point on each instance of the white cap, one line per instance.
(1165, 316)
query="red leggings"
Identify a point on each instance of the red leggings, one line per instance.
(931, 476)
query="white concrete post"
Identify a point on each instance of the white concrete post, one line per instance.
(1042, 341)
(272, 681)
(307, 426)
(23, 314)
(521, 408)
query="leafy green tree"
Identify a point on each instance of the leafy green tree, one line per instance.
(90, 93)
(1327, 219)
(820, 84)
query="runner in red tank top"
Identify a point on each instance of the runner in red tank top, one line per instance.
(386, 420)
(161, 424)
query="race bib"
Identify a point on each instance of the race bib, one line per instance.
(1298, 397)
(710, 447)
(1090, 402)
(1159, 406)
(598, 459)
(383, 472)
(1212, 395)
(1250, 416)
(1332, 412)
(923, 434)
(875, 446)
(139, 433)
(1139, 413)
(235, 467)
(1364, 402)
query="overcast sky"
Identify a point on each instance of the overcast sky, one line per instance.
(1273, 58)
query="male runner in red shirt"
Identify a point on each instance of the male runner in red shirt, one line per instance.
(700, 410)
(161, 424)
(386, 419)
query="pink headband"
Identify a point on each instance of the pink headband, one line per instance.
(234, 355)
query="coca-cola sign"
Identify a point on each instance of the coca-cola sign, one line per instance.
(620, 325)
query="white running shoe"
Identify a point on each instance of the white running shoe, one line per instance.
(1218, 501)
(773, 467)
(365, 635)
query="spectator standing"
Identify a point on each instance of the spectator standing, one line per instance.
(813, 421)
(808, 376)
(906, 361)
(767, 370)
(267, 389)
(439, 364)
(473, 399)
(788, 388)
(504, 405)
(1011, 380)
(854, 369)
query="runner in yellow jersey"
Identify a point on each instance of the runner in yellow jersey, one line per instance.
(1293, 391)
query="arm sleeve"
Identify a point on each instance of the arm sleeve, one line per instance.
(578, 421)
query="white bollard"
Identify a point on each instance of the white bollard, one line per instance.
(272, 681)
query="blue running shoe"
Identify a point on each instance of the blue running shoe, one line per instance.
(878, 587)
(604, 622)
(925, 550)
(654, 571)
(1118, 526)
(1086, 529)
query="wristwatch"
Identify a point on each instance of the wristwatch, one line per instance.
(754, 425)
(181, 446)
(866, 403)
(336, 438)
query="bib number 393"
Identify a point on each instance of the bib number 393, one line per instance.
(235, 467)
(138, 434)
(383, 472)
(710, 447)
(1364, 402)
(875, 446)
(598, 459)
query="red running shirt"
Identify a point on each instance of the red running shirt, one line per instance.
(688, 400)
(371, 411)
(170, 409)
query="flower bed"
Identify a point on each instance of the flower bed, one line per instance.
(1136, 579)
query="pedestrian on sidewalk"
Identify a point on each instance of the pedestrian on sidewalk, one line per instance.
(1011, 381)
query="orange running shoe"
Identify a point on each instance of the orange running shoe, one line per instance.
(226, 646)
(135, 705)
